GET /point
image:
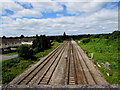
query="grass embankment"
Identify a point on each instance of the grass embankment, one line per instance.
(14, 67)
(42, 54)
(104, 50)
(13, 53)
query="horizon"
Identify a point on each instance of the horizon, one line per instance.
(58, 35)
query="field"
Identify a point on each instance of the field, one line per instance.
(14, 67)
(8, 54)
(104, 51)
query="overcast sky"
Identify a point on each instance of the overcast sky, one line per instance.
(54, 18)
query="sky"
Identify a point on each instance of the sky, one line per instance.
(53, 17)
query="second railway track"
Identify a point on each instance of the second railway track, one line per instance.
(66, 65)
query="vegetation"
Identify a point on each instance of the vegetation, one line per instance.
(13, 67)
(25, 52)
(28, 55)
(8, 54)
(64, 36)
(106, 50)
(42, 54)
(59, 39)
(41, 43)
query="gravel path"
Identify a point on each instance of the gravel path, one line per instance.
(5, 57)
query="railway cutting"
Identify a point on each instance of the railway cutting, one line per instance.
(66, 65)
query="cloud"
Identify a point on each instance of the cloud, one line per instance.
(47, 6)
(27, 13)
(89, 18)
(10, 5)
(33, 9)
(104, 21)
(86, 7)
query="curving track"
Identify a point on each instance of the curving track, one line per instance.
(66, 65)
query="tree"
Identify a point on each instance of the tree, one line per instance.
(4, 37)
(41, 43)
(58, 39)
(22, 36)
(25, 52)
(64, 36)
(115, 35)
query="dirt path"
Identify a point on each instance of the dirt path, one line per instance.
(5, 57)
(66, 65)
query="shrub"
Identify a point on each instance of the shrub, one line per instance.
(25, 52)
(86, 40)
(41, 43)
(115, 35)
(59, 39)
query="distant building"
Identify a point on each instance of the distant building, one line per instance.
(28, 41)
(7, 45)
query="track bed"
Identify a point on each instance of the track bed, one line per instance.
(66, 65)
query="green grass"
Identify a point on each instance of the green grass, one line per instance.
(104, 50)
(14, 67)
(42, 54)
(8, 54)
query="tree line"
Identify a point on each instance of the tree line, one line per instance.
(40, 44)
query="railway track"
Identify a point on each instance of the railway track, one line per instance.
(66, 65)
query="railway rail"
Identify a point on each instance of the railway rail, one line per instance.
(66, 65)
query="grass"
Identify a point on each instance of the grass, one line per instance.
(104, 50)
(8, 54)
(14, 67)
(42, 54)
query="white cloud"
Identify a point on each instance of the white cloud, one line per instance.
(95, 20)
(11, 5)
(27, 13)
(104, 21)
(47, 6)
(77, 8)
(65, 1)
(36, 11)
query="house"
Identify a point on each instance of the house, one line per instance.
(28, 41)
(8, 44)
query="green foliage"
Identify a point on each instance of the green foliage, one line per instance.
(95, 36)
(85, 40)
(25, 51)
(42, 54)
(8, 54)
(115, 35)
(64, 36)
(59, 39)
(105, 50)
(40, 43)
(14, 67)
(104, 36)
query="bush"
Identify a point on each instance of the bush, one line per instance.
(41, 43)
(59, 39)
(95, 36)
(25, 52)
(86, 40)
(115, 35)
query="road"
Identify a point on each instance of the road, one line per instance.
(66, 65)
(5, 57)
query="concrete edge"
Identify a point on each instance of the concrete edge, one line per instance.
(62, 86)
